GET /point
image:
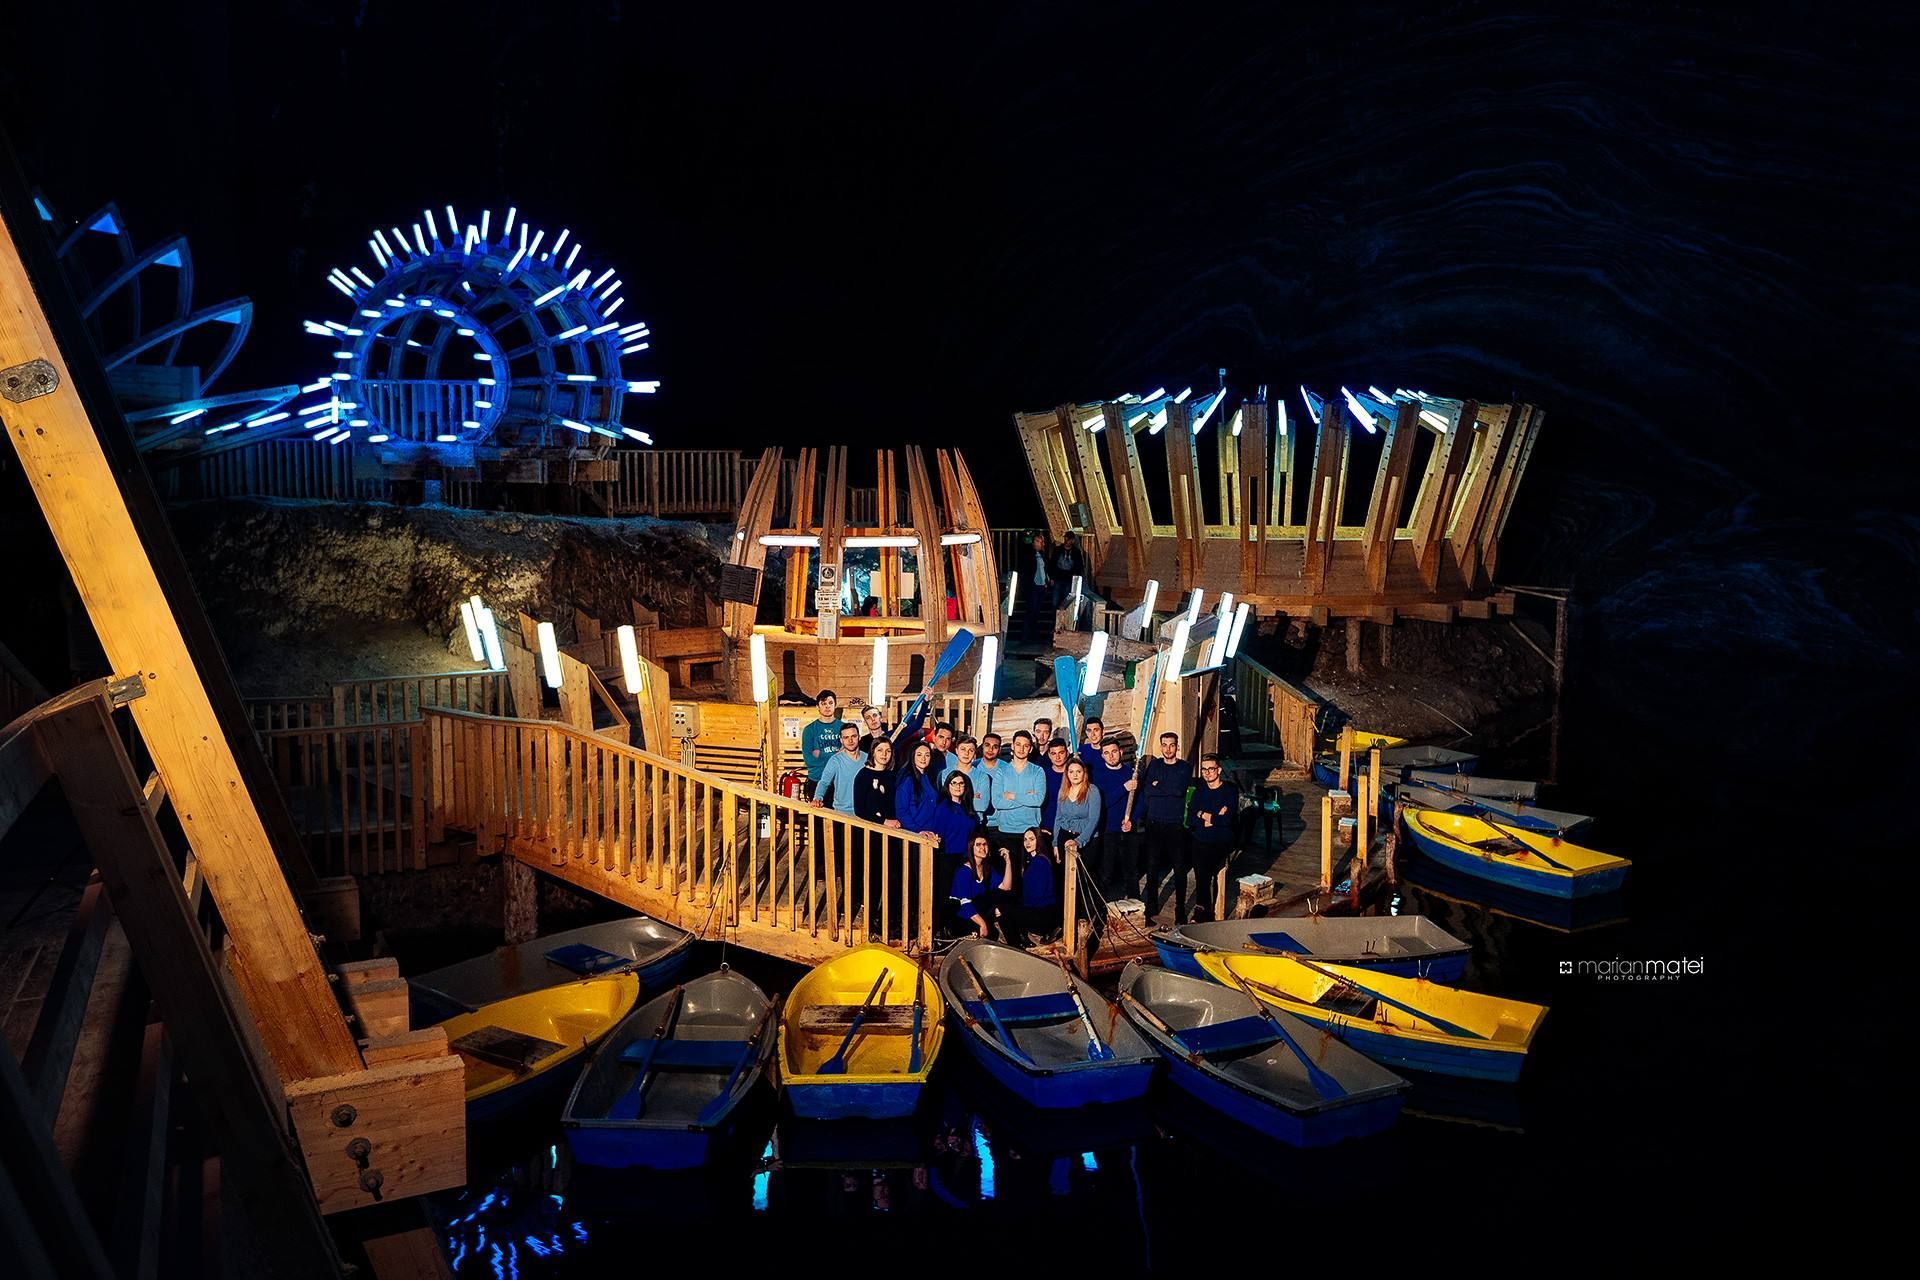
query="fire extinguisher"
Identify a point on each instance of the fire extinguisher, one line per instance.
(793, 783)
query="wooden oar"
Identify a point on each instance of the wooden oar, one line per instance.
(1481, 816)
(949, 659)
(1323, 1084)
(919, 1012)
(837, 1064)
(1140, 756)
(1448, 1027)
(637, 1092)
(1096, 1051)
(1193, 1055)
(1066, 683)
(711, 1112)
(986, 1003)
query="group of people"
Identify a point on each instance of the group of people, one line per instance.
(1002, 823)
(1046, 582)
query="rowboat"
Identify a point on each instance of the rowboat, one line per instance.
(515, 1048)
(664, 1085)
(1517, 813)
(1477, 844)
(1048, 1037)
(1411, 946)
(1473, 785)
(652, 951)
(859, 1035)
(1257, 1066)
(1436, 884)
(1365, 741)
(1402, 1022)
(1397, 763)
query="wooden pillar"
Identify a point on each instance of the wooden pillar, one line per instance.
(1354, 633)
(62, 421)
(1070, 897)
(1326, 842)
(1346, 755)
(520, 895)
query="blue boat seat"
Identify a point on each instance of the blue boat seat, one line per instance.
(1223, 1037)
(587, 960)
(1041, 1008)
(688, 1055)
(1279, 942)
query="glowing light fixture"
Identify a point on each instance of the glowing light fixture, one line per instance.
(1096, 659)
(1307, 400)
(629, 658)
(881, 540)
(1217, 651)
(989, 665)
(1359, 411)
(1433, 420)
(958, 539)
(1193, 606)
(1239, 625)
(1146, 605)
(1179, 651)
(1013, 581)
(490, 636)
(1219, 398)
(549, 654)
(757, 653)
(472, 625)
(1182, 397)
(877, 682)
(789, 539)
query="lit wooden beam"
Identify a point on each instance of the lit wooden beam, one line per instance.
(1035, 430)
(833, 532)
(1389, 491)
(1253, 492)
(755, 519)
(1183, 482)
(1477, 491)
(1507, 486)
(1136, 516)
(932, 558)
(1433, 509)
(1323, 500)
(63, 421)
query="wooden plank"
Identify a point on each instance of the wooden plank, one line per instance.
(412, 1113)
(1433, 509)
(1389, 489)
(1253, 481)
(1507, 487)
(422, 1045)
(1033, 430)
(924, 506)
(380, 1007)
(1323, 500)
(56, 1033)
(1477, 490)
(45, 1190)
(135, 1241)
(1183, 483)
(210, 1033)
(22, 774)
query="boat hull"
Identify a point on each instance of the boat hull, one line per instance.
(854, 1100)
(1443, 968)
(1316, 1129)
(1063, 1090)
(1403, 1053)
(640, 1149)
(1506, 873)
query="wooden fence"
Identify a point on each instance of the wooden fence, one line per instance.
(356, 792)
(711, 854)
(1275, 711)
(383, 700)
(955, 709)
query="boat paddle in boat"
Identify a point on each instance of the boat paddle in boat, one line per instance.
(1517, 813)
(652, 951)
(1048, 1037)
(1474, 785)
(1481, 845)
(1411, 946)
(1402, 1022)
(1396, 763)
(666, 1082)
(1256, 1065)
(859, 1036)
(516, 1048)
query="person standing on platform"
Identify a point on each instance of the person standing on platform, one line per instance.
(1211, 818)
(1056, 758)
(1160, 817)
(1042, 735)
(838, 781)
(1038, 916)
(1066, 565)
(1117, 847)
(919, 789)
(1076, 815)
(1037, 617)
(953, 822)
(1019, 789)
(819, 738)
(873, 726)
(942, 740)
(966, 759)
(1096, 731)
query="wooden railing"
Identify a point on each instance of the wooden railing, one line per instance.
(383, 700)
(680, 482)
(1275, 711)
(287, 468)
(419, 409)
(955, 709)
(713, 855)
(356, 792)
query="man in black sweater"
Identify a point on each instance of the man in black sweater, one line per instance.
(1211, 820)
(1159, 820)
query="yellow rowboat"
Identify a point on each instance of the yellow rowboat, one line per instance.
(1512, 855)
(515, 1046)
(841, 1056)
(1401, 1022)
(1363, 741)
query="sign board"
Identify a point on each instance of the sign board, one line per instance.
(826, 590)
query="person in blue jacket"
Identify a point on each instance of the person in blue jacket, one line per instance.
(1093, 735)
(1160, 817)
(977, 894)
(919, 789)
(1115, 781)
(1057, 754)
(966, 759)
(1212, 816)
(1037, 916)
(1019, 789)
(819, 738)
(953, 822)
(838, 782)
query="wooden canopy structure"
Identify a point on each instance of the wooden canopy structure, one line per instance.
(927, 546)
(1320, 515)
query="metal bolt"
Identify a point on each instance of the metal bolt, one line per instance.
(370, 1181)
(360, 1151)
(344, 1115)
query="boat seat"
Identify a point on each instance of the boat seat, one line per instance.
(1044, 1007)
(1222, 1037)
(1345, 1000)
(513, 1050)
(835, 1019)
(1505, 846)
(688, 1055)
(1279, 942)
(588, 961)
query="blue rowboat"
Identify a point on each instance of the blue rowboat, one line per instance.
(653, 952)
(665, 1084)
(1410, 946)
(1511, 811)
(1258, 1067)
(1029, 1034)
(1489, 848)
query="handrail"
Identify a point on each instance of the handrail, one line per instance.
(374, 699)
(722, 855)
(1275, 710)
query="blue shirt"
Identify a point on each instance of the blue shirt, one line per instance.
(1029, 788)
(836, 780)
(981, 775)
(1080, 819)
(954, 826)
(914, 800)
(1052, 802)
(819, 739)
(1036, 882)
(1223, 803)
(1163, 791)
(966, 888)
(1113, 793)
(1090, 755)
(873, 794)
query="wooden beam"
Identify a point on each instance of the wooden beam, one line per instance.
(1508, 487)
(925, 508)
(1433, 510)
(22, 774)
(241, 1095)
(56, 1033)
(1253, 494)
(412, 1114)
(1323, 500)
(51, 1206)
(1033, 429)
(1136, 517)
(833, 532)
(87, 500)
(1389, 492)
(1183, 483)
(1477, 491)
(754, 520)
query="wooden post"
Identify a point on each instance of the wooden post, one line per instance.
(520, 894)
(1346, 755)
(1355, 627)
(1069, 893)
(1373, 783)
(1326, 842)
(139, 622)
(1360, 816)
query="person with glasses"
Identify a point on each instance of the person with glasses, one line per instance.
(1211, 818)
(952, 824)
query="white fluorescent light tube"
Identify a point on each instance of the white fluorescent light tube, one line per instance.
(789, 539)
(1236, 422)
(641, 436)
(1094, 423)
(1096, 659)
(549, 295)
(882, 540)
(574, 332)
(549, 654)
(630, 659)
(1433, 419)
(1226, 605)
(174, 422)
(1158, 423)
(579, 377)
(1283, 417)
(958, 539)
(581, 427)
(1193, 606)
(1154, 394)
(1217, 651)
(1379, 395)
(1179, 651)
(1219, 398)
(1013, 582)
(1182, 397)
(1074, 603)
(757, 652)
(1239, 625)
(1146, 605)
(490, 636)
(877, 683)
(989, 662)
(1359, 411)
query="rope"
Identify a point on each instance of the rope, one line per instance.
(1092, 890)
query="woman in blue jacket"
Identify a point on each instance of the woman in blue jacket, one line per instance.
(953, 822)
(976, 894)
(919, 790)
(1036, 916)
